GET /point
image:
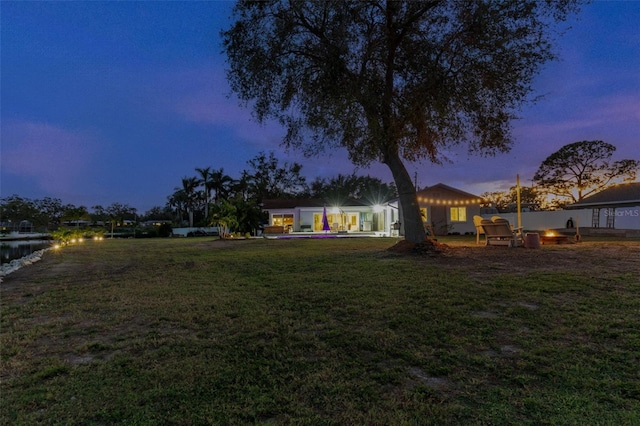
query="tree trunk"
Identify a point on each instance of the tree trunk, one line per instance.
(412, 221)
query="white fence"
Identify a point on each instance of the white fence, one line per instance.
(183, 232)
(625, 218)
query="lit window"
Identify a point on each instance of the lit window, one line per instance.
(458, 214)
(282, 220)
(331, 220)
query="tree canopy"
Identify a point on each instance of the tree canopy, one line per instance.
(506, 201)
(271, 180)
(341, 187)
(580, 169)
(391, 81)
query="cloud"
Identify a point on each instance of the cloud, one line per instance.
(55, 158)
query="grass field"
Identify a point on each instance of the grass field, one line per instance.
(332, 331)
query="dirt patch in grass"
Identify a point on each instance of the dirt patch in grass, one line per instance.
(595, 258)
(429, 247)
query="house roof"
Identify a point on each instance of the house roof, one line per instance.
(277, 204)
(621, 195)
(441, 192)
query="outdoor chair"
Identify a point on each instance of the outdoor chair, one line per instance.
(477, 221)
(498, 218)
(518, 237)
(498, 232)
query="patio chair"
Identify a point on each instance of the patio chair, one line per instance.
(498, 218)
(518, 235)
(499, 232)
(477, 221)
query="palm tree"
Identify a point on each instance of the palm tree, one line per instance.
(205, 180)
(177, 202)
(241, 188)
(220, 183)
(224, 216)
(189, 186)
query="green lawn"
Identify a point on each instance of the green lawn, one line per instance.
(331, 331)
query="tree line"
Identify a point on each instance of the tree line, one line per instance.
(208, 198)
(49, 213)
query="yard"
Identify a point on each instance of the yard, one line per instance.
(328, 331)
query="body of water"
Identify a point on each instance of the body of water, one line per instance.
(10, 250)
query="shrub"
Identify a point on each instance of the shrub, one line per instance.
(165, 230)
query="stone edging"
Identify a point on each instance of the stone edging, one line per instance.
(16, 264)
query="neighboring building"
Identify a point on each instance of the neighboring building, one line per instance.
(156, 222)
(617, 207)
(26, 227)
(305, 215)
(77, 223)
(449, 210)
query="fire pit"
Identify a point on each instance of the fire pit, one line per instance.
(551, 237)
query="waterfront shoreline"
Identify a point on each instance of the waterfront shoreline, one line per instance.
(25, 236)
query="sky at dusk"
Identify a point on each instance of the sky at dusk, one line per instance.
(106, 102)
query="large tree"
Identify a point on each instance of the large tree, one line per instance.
(205, 181)
(271, 180)
(391, 81)
(580, 169)
(189, 187)
(51, 210)
(221, 184)
(75, 214)
(341, 187)
(505, 201)
(116, 214)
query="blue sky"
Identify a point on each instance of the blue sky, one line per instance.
(104, 102)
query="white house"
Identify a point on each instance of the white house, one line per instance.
(347, 216)
(444, 210)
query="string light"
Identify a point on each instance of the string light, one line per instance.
(450, 202)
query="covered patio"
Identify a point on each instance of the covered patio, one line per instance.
(345, 217)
